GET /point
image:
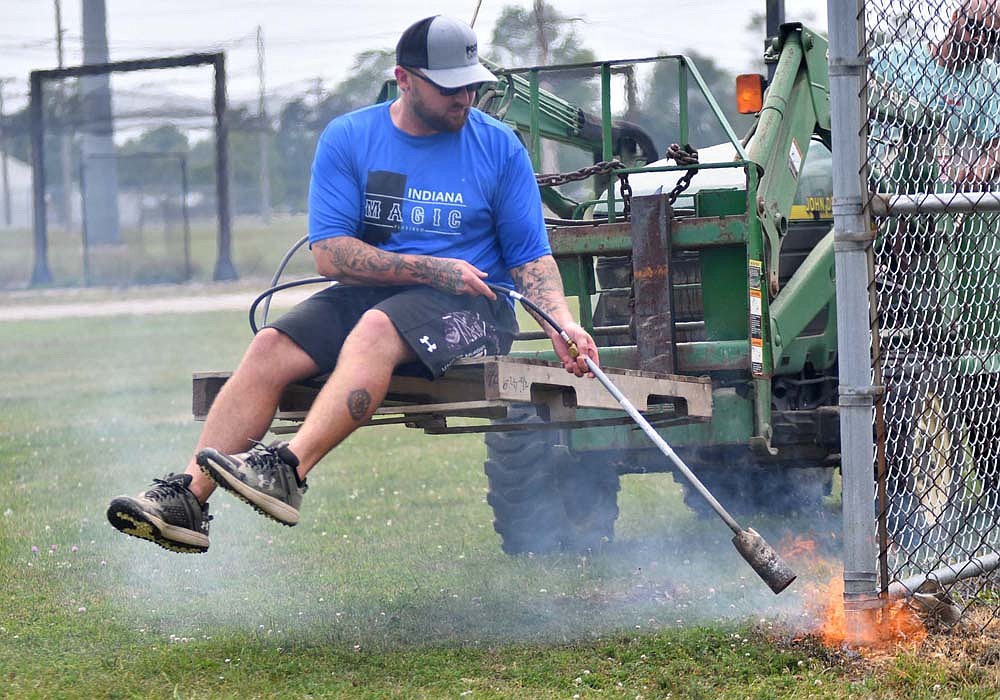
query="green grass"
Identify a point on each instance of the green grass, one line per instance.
(392, 586)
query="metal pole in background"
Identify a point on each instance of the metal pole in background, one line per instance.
(263, 134)
(187, 220)
(83, 221)
(8, 218)
(97, 137)
(852, 246)
(41, 273)
(224, 269)
(774, 17)
(65, 156)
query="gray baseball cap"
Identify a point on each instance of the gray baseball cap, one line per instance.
(445, 50)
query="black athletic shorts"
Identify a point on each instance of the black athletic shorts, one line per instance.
(439, 327)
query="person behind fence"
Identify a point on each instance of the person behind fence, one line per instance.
(413, 206)
(956, 76)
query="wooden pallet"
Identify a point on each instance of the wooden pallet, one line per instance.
(486, 387)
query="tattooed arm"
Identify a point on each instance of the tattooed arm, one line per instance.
(540, 282)
(351, 261)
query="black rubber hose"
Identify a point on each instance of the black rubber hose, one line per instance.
(517, 296)
(268, 293)
(281, 268)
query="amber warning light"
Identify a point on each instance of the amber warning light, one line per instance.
(749, 93)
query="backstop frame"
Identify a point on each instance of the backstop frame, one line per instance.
(224, 268)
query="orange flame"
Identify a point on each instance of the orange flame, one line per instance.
(797, 548)
(894, 624)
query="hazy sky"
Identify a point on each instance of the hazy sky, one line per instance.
(309, 39)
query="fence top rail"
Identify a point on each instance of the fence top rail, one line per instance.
(192, 59)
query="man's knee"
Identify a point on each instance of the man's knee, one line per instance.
(273, 352)
(376, 334)
(269, 342)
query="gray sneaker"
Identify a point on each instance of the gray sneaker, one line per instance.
(167, 514)
(264, 477)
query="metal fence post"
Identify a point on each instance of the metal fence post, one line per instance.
(187, 219)
(224, 268)
(852, 245)
(41, 273)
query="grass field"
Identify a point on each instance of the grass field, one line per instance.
(392, 586)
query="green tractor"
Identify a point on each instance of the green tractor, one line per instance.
(713, 306)
(724, 271)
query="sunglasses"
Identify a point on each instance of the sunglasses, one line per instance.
(447, 92)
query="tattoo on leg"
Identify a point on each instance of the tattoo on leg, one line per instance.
(358, 403)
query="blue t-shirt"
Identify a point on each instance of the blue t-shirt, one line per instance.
(470, 194)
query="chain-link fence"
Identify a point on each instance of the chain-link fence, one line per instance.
(154, 220)
(119, 177)
(932, 163)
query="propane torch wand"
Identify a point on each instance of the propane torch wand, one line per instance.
(754, 549)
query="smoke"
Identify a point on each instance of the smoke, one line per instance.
(335, 581)
(396, 544)
(672, 561)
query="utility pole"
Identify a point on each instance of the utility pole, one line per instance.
(263, 134)
(97, 143)
(773, 19)
(65, 157)
(8, 218)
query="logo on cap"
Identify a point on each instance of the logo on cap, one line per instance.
(470, 50)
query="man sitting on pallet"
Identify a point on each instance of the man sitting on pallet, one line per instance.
(413, 206)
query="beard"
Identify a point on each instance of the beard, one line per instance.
(452, 120)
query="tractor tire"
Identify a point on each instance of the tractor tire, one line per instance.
(747, 489)
(544, 498)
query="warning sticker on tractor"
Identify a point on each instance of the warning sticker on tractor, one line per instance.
(754, 278)
(794, 159)
(754, 273)
(755, 314)
(756, 356)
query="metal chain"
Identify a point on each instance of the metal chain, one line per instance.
(685, 155)
(681, 185)
(626, 195)
(555, 179)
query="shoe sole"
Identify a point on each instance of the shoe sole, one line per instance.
(125, 516)
(212, 464)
